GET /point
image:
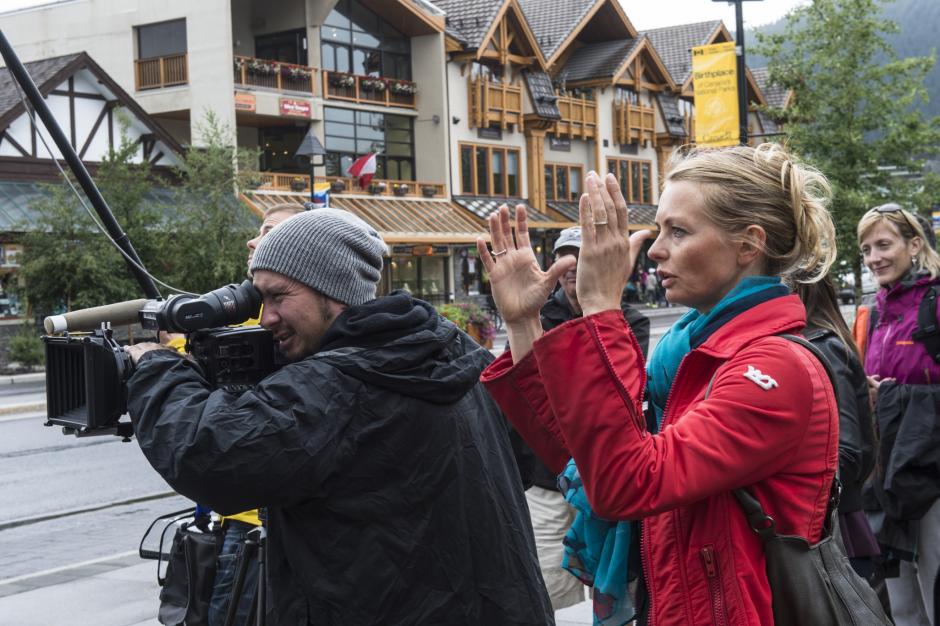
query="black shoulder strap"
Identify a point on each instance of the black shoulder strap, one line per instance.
(757, 519)
(927, 331)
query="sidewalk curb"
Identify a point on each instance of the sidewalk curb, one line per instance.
(33, 377)
(22, 408)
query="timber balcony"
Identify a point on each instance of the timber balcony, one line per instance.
(494, 103)
(251, 72)
(160, 72)
(390, 92)
(300, 183)
(578, 118)
(634, 123)
(689, 124)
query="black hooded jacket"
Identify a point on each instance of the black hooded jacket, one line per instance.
(387, 471)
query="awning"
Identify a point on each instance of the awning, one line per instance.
(483, 206)
(398, 220)
(642, 216)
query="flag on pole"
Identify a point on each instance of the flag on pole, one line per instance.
(363, 168)
(321, 195)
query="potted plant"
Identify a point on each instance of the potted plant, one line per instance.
(298, 184)
(373, 84)
(403, 88)
(400, 190)
(337, 186)
(345, 81)
(428, 191)
(376, 188)
(472, 319)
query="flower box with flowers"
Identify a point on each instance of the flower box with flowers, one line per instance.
(373, 84)
(471, 319)
(344, 81)
(260, 68)
(294, 72)
(403, 88)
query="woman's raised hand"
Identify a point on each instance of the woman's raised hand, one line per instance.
(519, 285)
(608, 250)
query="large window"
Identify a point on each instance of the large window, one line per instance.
(489, 170)
(278, 145)
(562, 182)
(351, 134)
(355, 40)
(287, 47)
(626, 94)
(634, 178)
(161, 40)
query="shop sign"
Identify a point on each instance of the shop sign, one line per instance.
(295, 108)
(244, 102)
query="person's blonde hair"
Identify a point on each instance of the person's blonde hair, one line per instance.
(908, 227)
(284, 207)
(766, 186)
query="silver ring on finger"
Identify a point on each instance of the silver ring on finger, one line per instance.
(500, 253)
(604, 223)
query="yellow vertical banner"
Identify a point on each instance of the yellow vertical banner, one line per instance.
(715, 80)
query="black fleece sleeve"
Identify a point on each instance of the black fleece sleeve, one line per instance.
(273, 445)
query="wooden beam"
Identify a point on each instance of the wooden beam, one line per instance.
(535, 170)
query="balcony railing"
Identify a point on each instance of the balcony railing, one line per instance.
(578, 118)
(301, 183)
(634, 123)
(390, 92)
(161, 72)
(494, 103)
(251, 72)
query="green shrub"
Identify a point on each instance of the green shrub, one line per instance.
(26, 347)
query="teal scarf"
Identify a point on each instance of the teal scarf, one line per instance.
(597, 551)
(694, 328)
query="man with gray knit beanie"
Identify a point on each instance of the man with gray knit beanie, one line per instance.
(388, 473)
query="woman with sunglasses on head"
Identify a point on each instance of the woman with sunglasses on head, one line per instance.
(903, 378)
(736, 406)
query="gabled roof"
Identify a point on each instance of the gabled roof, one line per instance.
(775, 95)
(468, 21)
(598, 60)
(49, 73)
(674, 45)
(552, 21)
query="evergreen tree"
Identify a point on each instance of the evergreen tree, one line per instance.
(212, 224)
(854, 110)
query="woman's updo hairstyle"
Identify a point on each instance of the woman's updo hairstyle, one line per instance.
(767, 187)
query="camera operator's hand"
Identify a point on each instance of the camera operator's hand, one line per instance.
(139, 349)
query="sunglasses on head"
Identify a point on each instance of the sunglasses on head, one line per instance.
(893, 207)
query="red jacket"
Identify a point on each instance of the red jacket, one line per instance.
(579, 393)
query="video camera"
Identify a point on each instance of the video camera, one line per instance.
(86, 374)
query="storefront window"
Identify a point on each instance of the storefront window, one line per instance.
(350, 134)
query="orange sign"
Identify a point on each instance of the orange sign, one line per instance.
(244, 102)
(295, 108)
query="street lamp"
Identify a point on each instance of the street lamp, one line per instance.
(742, 77)
(311, 148)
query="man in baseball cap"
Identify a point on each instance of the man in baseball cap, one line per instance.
(387, 472)
(551, 515)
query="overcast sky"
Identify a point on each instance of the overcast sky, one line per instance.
(643, 13)
(647, 14)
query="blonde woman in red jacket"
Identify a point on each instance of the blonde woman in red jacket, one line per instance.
(731, 223)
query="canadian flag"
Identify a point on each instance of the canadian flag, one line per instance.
(363, 168)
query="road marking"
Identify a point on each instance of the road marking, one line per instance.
(23, 408)
(16, 418)
(25, 521)
(63, 568)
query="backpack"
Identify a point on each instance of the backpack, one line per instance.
(927, 333)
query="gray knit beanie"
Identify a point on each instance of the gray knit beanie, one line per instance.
(330, 250)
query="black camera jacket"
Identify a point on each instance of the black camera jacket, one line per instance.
(388, 472)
